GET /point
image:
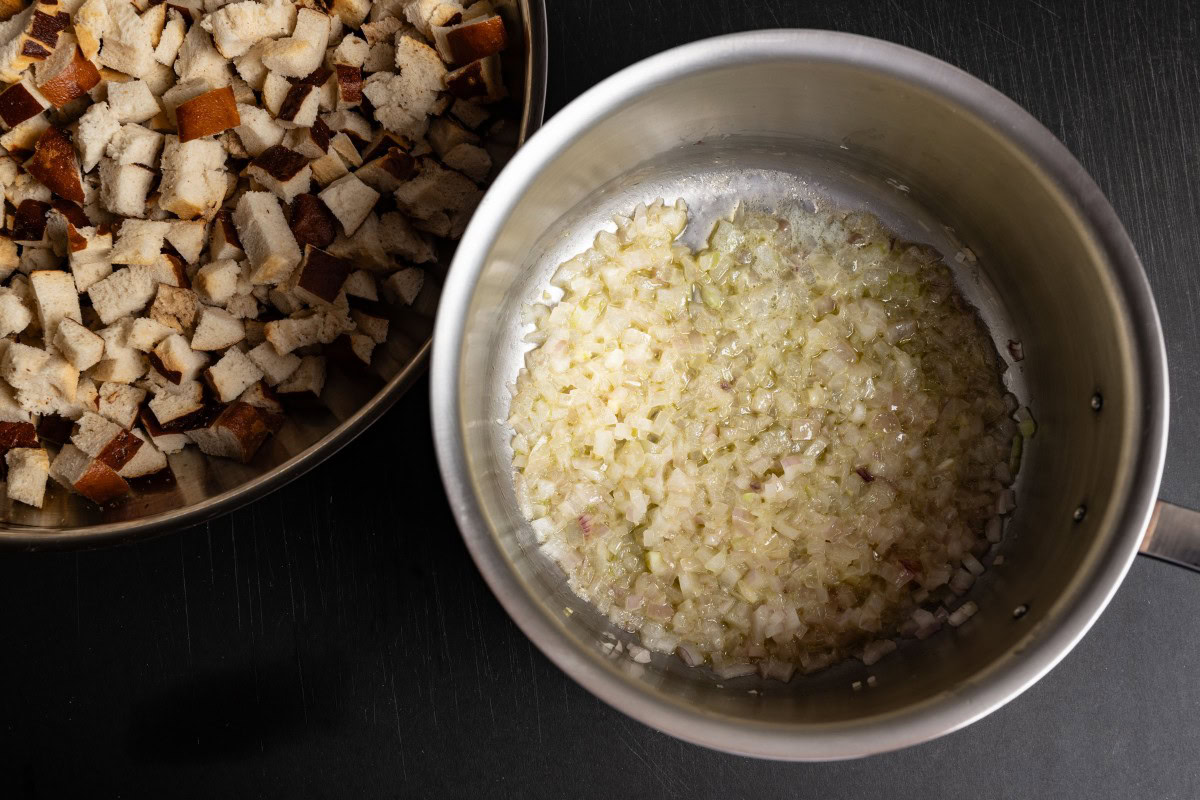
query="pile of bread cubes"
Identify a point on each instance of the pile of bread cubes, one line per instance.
(206, 200)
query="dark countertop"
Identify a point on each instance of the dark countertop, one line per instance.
(335, 640)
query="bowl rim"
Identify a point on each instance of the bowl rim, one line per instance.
(19, 537)
(1088, 592)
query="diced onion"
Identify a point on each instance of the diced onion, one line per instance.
(963, 613)
(766, 455)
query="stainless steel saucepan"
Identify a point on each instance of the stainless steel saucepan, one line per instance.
(809, 116)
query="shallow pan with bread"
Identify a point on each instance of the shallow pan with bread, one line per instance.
(354, 395)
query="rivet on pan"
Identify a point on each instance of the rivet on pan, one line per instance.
(1097, 401)
(1020, 611)
(1080, 513)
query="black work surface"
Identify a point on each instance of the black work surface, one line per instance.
(335, 640)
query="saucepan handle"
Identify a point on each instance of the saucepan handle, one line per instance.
(1173, 535)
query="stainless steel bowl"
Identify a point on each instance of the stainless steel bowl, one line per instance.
(815, 116)
(206, 487)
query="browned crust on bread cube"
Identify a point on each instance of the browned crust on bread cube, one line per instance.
(149, 421)
(34, 50)
(208, 114)
(322, 274)
(267, 396)
(46, 27)
(100, 483)
(17, 434)
(178, 269)
(475, 81)
(350, 83)
(120, 451)
(399, 164)
(320, 134)
(249, 426)
(29, 222)
(381, 142)
(341, 351)
(55, 428)
(54, 164)
(280, 163)
(173, 375)
(17, 104)
(476, 39)
(73, 213)
(315, 78)
(312, 223)
(294, 99)
(200, 418)
(75, 242)
(228, 229)
(74, 81)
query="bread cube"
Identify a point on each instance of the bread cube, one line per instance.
(15, 316)
(170, 407)
(320, 278)
(123, 187)
(176, 361)
(232, 375)
(148, 459)
(86, 476)
(260, 396)
(28, 468)
(237, 27)
(123, 293)
(266, 237)
(404, 285)
(217, 282)
(217, 329)
(275, 367)
(302, 52)
(175, 308)
(88, 253)
(121, 363)
(223, 241)
(282, 171)
(237, 432)
(207, 114)
(78, 345)
(146, 332)
(134, 144)
(132, 101)
(188, 237)
(139, 242)
(308, 377)
(120, 402)
(350, 200)
(105, 441)
(55, 165)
